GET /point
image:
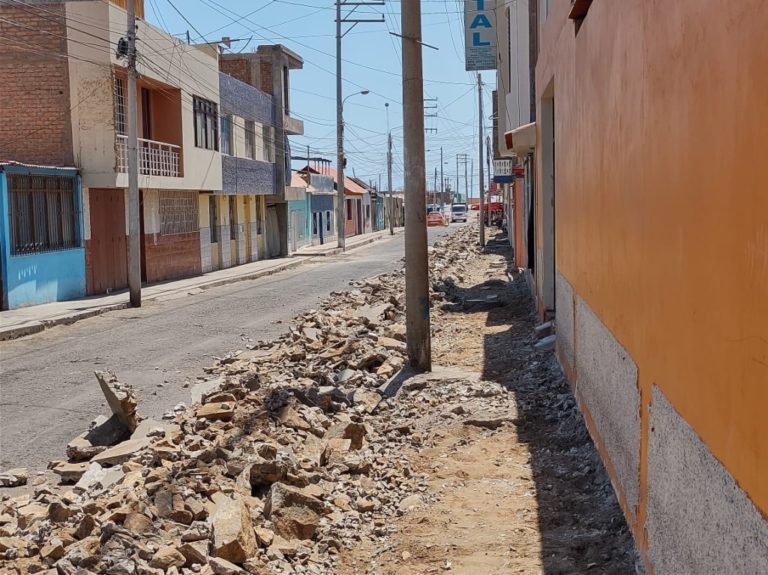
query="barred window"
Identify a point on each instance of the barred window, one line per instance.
(43, 214)
(120, 106)
(227, 146)
(178, 213)
(206, 123)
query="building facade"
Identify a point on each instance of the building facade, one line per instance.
(646, 179)
(268, 70)
(79, 118)
(42, 256)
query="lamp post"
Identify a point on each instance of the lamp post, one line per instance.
(340, 213)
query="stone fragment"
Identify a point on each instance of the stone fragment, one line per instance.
(410, 502)
(30, 514)
(233, 537)
(216, 411)
(367, 399)
(85, 527)
(365, 505)
(121, 452)
(93, 475)
(294, 513)
(264, 536)
(391, 343)
(14, 477)
(198, 531)
(223, 567)
(167, 557)
(335, 451)
(355, 432)
(489, 421)
(195, 552)
(137, 523)
(290, 417)
(7, 543)
(52, 550)
(60, 513)
(120, 398)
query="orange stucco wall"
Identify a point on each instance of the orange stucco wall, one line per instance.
(661, 124)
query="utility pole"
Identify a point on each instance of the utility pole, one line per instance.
(488, 160)
(466, 183)
(434, 189)
(340, 213)
(391, 198)
(417, 321)
(442, 180)
(134, 227)
(456, 191)
(480, 160)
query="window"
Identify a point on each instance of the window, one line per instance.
(206, 123)
(232, 217)
(269, 149)
(259, 217)
(367, 212)
(43, 214)
(314, 223)
(178, 213)
(120, 126)
(250, 139)
(226, 135)
(328, 221)
(214, 216)
(349, 210)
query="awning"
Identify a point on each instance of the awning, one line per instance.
(521, 140)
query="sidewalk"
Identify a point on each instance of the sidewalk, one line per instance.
(26, 321)
(330, 249)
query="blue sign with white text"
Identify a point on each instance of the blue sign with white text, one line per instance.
(480, 34)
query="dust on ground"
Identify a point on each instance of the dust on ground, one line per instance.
(528, 496)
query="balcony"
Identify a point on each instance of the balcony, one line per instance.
(155, 158)
(293, 126)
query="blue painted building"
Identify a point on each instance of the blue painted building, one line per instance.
(42, 258)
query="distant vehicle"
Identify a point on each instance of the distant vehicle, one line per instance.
(432, 208)
(459, 213)
(475, 207)
(436, 219)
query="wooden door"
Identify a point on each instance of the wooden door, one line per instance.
(108, 269)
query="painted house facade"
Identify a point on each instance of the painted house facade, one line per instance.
(42, 255)
(268, 70)
(79, 119)
(666, 357)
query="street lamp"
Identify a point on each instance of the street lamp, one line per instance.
(340, 216)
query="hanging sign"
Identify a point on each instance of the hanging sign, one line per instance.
(502, 172)
(480, 34)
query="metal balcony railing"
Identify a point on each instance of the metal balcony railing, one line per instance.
(155, 158)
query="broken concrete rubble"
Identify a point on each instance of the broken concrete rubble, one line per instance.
(288, 455)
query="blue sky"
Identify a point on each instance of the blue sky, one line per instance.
(372, 60)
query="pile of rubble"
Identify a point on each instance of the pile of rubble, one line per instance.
(293, 452)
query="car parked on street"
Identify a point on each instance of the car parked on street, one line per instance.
(436, 219)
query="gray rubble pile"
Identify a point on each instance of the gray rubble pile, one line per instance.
(291, 454)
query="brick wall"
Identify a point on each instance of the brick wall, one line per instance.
(237, 68)
(34, 114)
(265, 69)
(172, 257)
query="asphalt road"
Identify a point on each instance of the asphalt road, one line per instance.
(48, 393)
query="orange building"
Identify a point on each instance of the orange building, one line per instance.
(650, 242)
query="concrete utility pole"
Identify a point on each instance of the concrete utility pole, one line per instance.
(488, 160)
(480, 161)
(134, 225)
(417, 320)
(442, 180)
(391, 208)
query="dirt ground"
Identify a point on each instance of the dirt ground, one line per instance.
(528, 496)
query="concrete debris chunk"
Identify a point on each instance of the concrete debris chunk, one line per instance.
(120, 397)
(233, 537)
(294, 513)
(14, 477)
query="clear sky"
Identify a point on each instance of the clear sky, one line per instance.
(372, 61)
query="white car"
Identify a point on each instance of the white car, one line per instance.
(458, 213)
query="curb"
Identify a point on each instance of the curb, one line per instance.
(42, 325)
(337, 251)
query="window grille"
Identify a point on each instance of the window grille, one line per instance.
(179, 213)
(43, 214)
(120, 126)
(206, 123)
